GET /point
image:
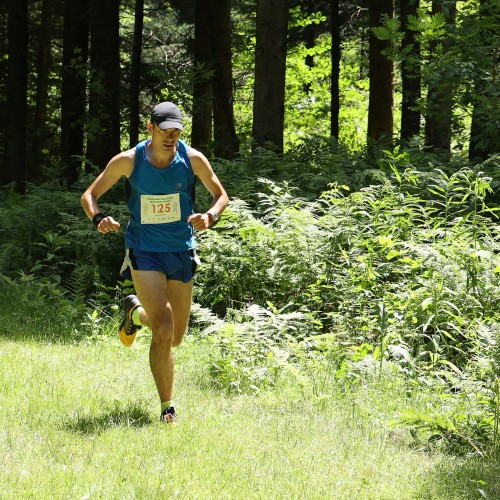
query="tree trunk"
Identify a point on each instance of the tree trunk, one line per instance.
(43, 68)
(225, 140)
(270, 69)
(4, 60)
(335, 76)
(135, 73)
(380, 107)
(103, 132)
(201, 134)
(17, 84)
(74, 86)
(410, 74)
(309, 38)
(440, 91)
(485, 132)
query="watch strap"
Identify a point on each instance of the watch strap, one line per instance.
(212, 216)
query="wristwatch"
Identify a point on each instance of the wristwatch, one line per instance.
(212, 216)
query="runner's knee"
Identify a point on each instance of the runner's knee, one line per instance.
(163, 333)
(178, 336)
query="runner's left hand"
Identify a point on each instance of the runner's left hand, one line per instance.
(200, 222)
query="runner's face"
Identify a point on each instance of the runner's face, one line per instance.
(169, 133)
(167, 138)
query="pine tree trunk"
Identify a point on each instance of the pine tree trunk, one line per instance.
(225, 140)
(43, 68)
(74, 86)
(410, 74)
(335, 76)
(201, 134)
(485, 130)
(380, 107)
(270, 69)
(17, 83)
(135, 73)
(103, 131)
(4, 60)
(440, 91)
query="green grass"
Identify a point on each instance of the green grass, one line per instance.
(80, 420)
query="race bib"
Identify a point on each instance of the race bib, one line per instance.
(160, 208)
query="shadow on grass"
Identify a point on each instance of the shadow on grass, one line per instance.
(41, 330)
(129, 417)
(467, 478)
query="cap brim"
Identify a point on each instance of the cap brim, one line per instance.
(170, 124)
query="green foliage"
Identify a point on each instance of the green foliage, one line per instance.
(390, 31)
(44, 234)
(427, 27)
(461, 53)
(388, 271)
(301, 19)
(250, 348)
(406, 268)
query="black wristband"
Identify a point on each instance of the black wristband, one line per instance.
(98, 218)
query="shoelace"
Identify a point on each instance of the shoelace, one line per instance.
(168, 415)
(130, 328)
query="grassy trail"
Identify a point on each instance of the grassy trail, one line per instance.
(79, 421)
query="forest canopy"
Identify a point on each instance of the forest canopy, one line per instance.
(79, 78)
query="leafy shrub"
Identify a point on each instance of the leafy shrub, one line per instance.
(251, 348)
(46, 234)
(397, 267)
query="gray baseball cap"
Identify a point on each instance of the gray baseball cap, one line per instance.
(167, 115)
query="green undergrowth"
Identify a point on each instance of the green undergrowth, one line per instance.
(376, 305)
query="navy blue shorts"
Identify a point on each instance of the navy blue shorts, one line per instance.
(179, 266)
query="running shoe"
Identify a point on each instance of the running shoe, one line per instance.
(128, 330)
(169, 416)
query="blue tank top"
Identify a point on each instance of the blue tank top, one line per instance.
(148, 186)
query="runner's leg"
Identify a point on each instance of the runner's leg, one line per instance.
(180, 295)
(167, 304)
(151, 288)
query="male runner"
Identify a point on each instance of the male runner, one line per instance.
(160, 240)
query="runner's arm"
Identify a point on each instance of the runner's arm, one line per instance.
(120, 165)
(203, 170)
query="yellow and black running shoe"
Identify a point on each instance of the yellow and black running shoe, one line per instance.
(128, 330)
